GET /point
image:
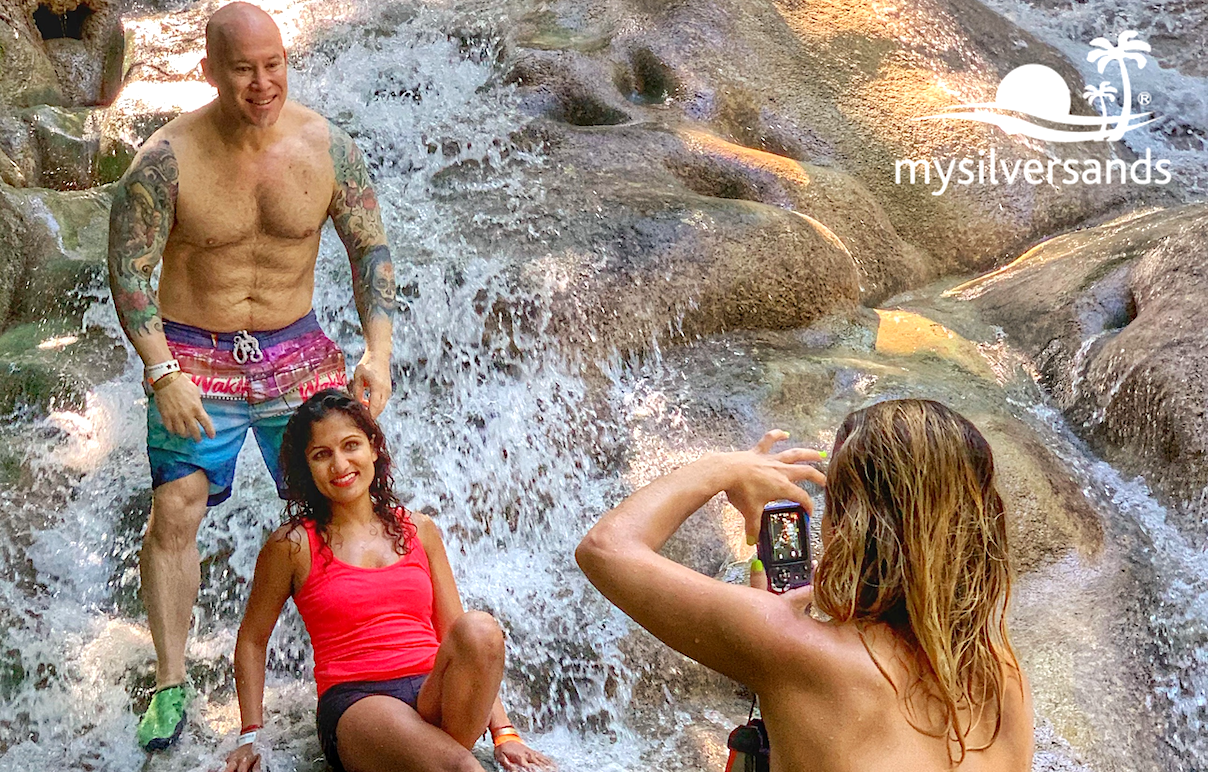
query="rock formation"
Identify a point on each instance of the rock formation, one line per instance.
(1113, 317)
(61, 52)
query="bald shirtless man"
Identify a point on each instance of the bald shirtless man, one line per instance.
(232, 198)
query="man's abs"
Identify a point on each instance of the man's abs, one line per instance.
(238, 288)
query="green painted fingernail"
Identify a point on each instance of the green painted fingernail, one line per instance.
(751, 541)
(822, 453)
(756, 565)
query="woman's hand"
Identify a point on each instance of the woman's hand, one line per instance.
(757, 476)
(514, 756)
(243, 759)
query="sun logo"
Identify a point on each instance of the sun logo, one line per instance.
(1040, 93)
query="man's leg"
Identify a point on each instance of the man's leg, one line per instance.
(170, 567)
(169, 562)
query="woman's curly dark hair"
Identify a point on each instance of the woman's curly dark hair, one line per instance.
(304, 502)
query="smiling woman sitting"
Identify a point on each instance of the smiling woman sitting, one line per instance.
(407, 679)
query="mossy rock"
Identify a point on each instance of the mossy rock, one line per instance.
(51, 365)
(113, 161)
(12, 231)
(64, 241)
(68, 142)
(121, 137)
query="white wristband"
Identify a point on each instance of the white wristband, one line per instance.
(155, 372)
(247, 738)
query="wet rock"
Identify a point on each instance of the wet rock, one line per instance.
(51, 365)
(86, 45)
(885, 263)
(10, 173)
(72, 148)
(1113, 318)
(80, 76)
(829, 84)
(27, 75)
(12, 253)
(122, 134)
(17, 143)
(68, 142)
(654, 235)
(60, 52)
(63, 247)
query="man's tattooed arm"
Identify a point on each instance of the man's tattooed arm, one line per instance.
(144, 208)
(355, 214)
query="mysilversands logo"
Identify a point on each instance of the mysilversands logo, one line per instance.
(1034, 101)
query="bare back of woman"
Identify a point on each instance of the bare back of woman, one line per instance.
(912, 668)
(858, 718)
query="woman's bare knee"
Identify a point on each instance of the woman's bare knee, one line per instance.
(477, 635)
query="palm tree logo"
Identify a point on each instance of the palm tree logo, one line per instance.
(1034, 100)
(1103, 92)
(1127, 49)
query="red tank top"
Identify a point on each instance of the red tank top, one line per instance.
(368, 624)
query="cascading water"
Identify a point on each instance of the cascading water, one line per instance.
(491, 428)
(1177, 97)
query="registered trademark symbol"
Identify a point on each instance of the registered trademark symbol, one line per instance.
(1144, 98)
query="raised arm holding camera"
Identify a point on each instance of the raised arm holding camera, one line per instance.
(914, 669)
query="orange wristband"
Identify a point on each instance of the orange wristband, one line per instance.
(505, 735)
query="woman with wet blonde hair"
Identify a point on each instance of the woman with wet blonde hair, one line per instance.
(913, 668)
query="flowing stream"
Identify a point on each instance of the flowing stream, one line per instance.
(514, 445)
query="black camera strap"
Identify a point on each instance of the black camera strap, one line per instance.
(748, 745)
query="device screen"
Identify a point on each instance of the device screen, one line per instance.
(786, 536)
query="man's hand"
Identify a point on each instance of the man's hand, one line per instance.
(243, 759)
(372, 374)
(180, 409)
(515, 756)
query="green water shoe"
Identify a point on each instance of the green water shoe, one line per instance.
(164, 720)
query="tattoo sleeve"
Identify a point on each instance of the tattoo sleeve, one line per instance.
(354, 212)
(144, 208)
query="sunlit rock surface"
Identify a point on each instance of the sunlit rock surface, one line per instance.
(831, 83)
(1114, 320)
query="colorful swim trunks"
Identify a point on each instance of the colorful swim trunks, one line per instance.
(247, 380)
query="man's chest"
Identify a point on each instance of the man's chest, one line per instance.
(227, 204)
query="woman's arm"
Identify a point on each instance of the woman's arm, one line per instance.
(446, 601)
(271, 587)
(741, 632)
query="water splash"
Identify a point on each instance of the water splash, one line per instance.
(494, 431)
(1180, 99)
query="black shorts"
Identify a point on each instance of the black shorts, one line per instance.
(341, 697)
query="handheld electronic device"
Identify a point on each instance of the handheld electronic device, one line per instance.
(784, 546)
